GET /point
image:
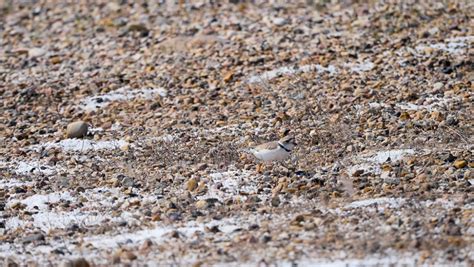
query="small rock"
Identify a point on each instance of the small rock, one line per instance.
(265, 238)
(36, 52)
(201, 204)
(128, 255)
(128, 182)
(437, 86)
(8, 262)
(228, 76)
(55, 60)
(437, 116)
(81, 262)
(192, 184)
(280, 21)
(392, 180)
(358, 173)
(77, 129)
(146, 244)
(404, 116)
(359, 92)
(299, 218)
(460, 163)
(156, 217)
(447, 157)
(138, 28)
(213, 229)
(33, 238)
(275, 201)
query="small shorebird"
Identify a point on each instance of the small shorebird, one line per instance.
(274, 151)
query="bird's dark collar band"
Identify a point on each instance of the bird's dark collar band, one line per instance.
(284, 148)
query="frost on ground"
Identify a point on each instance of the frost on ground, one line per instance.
(330, 69)
(29, 167)
(455, 45)
(122, 94)
(268, 75)
(78, 145)
(230, 184)
(372, 161)
(7, 183)
(391, 202)
(46, 212)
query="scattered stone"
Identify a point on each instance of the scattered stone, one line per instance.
(275, 201)
(192, 184)
(36, 52)
(77, 129)
(201, 204)
(80, 262)
(358, 173)
(9, 262)
(438, 86)
(128, 255)
(128, 182)
(33, 238)
(280, 21)
(460, 163)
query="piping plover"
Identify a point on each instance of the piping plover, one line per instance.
(274, 151)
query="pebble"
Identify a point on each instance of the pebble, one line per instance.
(33, 238)
(128, 255)
(77, 129)
(280, 21)
(9, 262)
(36, 52)
(147, 244)
(191, 184)
(80, 262)
(460, 163)
(358, 173)
(437, 86)
(275, 201)
(201, 204)
(128, 182)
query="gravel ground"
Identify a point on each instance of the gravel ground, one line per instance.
(378, 95)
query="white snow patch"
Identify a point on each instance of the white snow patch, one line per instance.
(373, 260)
(91, 213)
(95, 130)
(167, 138)
(40, 202)
(360, 67)
(429, 104)
(224, 185)
(456, 45)
(383, 201)
(392, 259)
(13, 183)
(81, 145)
(28, 167)
(158, 234)
(24, 168)
(393, 155)
(123, 94)
(268, 75)
(372, 161)
(445, 203)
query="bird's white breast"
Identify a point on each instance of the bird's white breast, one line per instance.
(271, 155)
